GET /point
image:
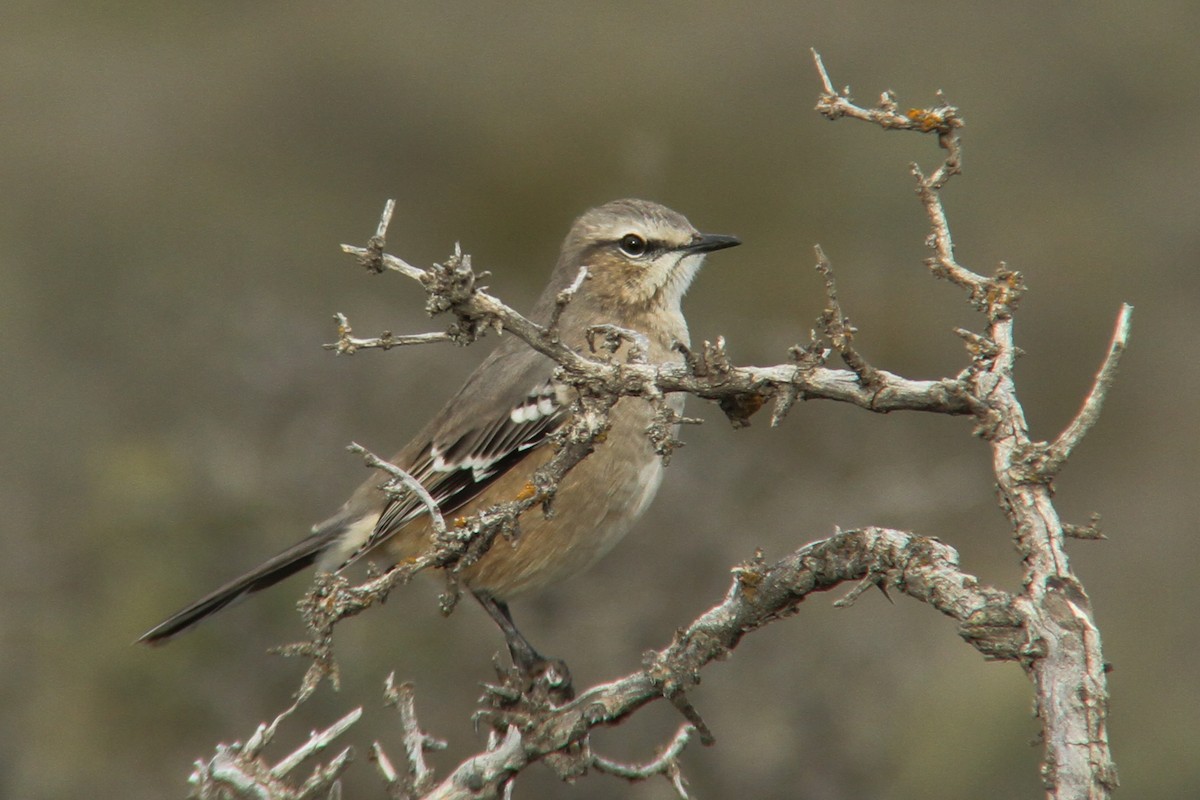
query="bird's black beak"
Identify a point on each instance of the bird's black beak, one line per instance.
(707, 242)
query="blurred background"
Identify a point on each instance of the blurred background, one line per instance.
(178, 177)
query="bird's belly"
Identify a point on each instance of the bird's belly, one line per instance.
(596, 505)
(547, 550)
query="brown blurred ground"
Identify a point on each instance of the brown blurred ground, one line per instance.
(176, 181)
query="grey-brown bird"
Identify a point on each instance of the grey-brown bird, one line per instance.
(484, 445)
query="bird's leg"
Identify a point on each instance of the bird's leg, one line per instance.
(534, 668)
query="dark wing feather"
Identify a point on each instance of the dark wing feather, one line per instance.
(455, 472)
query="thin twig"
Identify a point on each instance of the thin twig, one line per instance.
(837, 326)
(372, 256)
(834, 104)
(391, 777)
(564, 299)
(385, 219)
(1065, 444)
(408, 482)
(666, 763)
(317, 741)
(416, 741)
(384, 261)
(239, 771)
(348, 344)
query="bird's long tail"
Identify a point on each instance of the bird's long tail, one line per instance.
(300, 555)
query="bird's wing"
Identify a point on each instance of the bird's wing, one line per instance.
(457, 462)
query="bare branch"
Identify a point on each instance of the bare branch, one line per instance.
(834, 104)
(403, 482)
(418, 778)
(761, 593)
(1089, 531)
(611, 336)
(372, 256)
(666, 764)
(485, 775)
(391, 778)
(1064, 656)
(836, 325)
(564, 299)
(1088, 415)
(347, 344)
(385, 219)
(240, 771)
(476, 309)
(317, 742)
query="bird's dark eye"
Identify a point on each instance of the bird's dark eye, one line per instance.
(633, 245)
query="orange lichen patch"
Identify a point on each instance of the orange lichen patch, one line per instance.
(928, 120)
(1005, 289)
(749, 576)
(527, 492)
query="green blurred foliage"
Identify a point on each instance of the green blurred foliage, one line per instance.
(177, 179)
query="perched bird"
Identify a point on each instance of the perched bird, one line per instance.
(486, 442)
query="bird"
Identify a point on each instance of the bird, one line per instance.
(488, 439)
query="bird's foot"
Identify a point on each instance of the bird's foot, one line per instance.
(531, 683)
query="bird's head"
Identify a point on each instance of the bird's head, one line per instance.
(639, 255)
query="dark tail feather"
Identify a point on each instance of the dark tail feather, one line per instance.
(290, 561)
